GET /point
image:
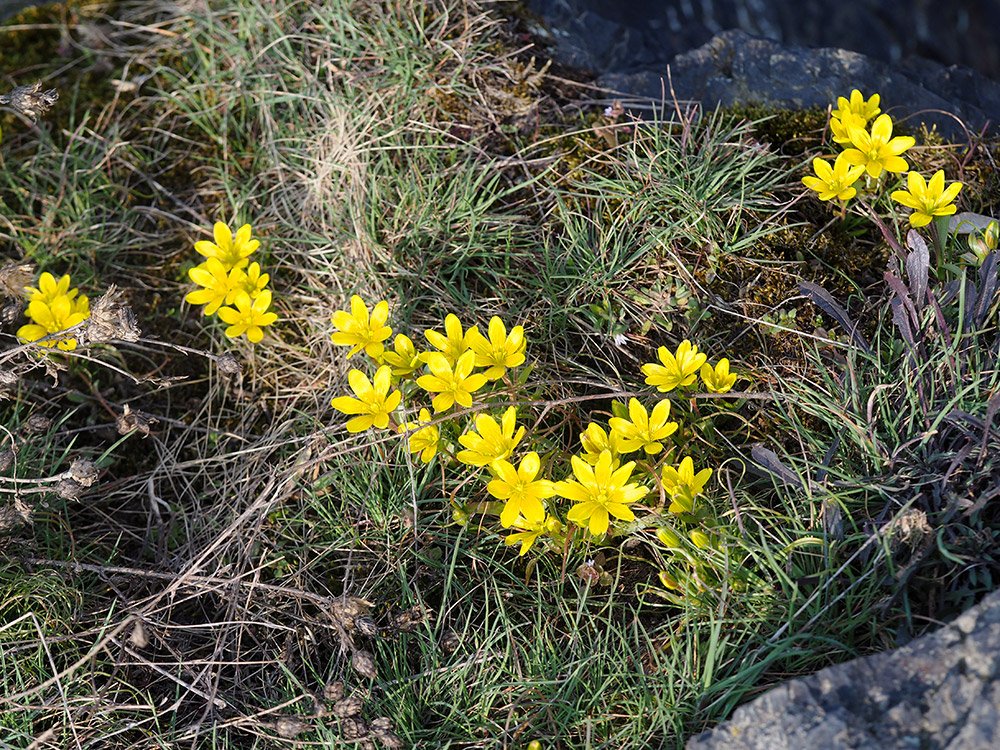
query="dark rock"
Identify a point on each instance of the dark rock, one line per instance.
(612, 36)
(735, 68)
(791, 54)
(940, 692)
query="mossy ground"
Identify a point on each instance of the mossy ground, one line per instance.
(423, 153)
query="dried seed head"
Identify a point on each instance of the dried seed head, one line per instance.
(382, 730)
(11, 312)
(366, 626)
(69, 490)
(8, 378)
(138, 637)
(347, 609)
(7, 456)
(37, 424)
(134, 421)
(14, 277)
(450, 641)
(30, 100)
(229, 365)
(347, 707)
(83, 471)
(364, 663)
(110, 319)
(353, 728)
(290, 727)
(333, 692)
(13, 515)
(410, 619)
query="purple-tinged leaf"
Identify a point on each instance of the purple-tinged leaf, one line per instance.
(822, 299)
(768, 461)
(903, 295)
(917, 266)
(989, 281)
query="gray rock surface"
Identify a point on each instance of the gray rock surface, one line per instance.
(736, 68)
(940, 692)
(628, 36)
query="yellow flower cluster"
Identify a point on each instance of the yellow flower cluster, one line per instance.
(230, 285)
(53, 307)
(456, 369)
(874, 151)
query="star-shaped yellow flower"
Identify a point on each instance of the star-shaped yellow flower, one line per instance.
(49, 289)
(423, 440)
(643, 430)
(232, 251)
(527, 533)
(218, 285)
(499, 351)
(856, 106)
(836, 181)
(493, 441)
(717, 379)
(54, 317)
(678, 369)
(452, 385)
(927, 199)
(683, 485)
(599, 492)
(878, 150)
(403, 359)
(248, 316)
(595, 440)
(374, 402)
(453, 343)
(360, 329)
(521, 491)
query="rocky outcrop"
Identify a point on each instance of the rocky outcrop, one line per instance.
(735, 68)
(940, 692)
(941, 66)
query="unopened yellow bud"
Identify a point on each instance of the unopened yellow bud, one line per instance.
(668, 538)
(700, 540)
(669, 581)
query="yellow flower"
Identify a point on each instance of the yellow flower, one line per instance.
(252, 281)
(683, 485)
(717, 379)
(374, 402)
(836, 181)
(678, 369)
(49, 289)
(494, 441)
(927, 199)
(360, 330)
(522, 492)
(595, 440)
(878, 150)
(219, 285)
(249, 316)
(454, 344)
(53, 317)
(452, 385)
(857, 107)
(404, 359)
(423, 440)
(529, 532)
(643, 430)
(499, 351)
(232, 252)
(600, 491)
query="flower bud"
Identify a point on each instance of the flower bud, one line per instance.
(668, 538)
